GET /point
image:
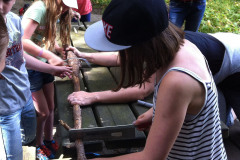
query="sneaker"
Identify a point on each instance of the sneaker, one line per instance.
(44, 150)
(52, 145)
(41, 155)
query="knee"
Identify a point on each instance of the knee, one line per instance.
(43, 115)
(51, 109)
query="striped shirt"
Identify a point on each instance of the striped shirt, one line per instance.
(200, 137)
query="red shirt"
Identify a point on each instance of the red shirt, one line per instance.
(84, 7)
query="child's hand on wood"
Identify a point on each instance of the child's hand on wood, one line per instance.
(144, 121)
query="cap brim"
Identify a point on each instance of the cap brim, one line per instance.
(71, 3)
(95, 38)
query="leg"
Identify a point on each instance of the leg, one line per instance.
(231, 90)
(42, 114)
(233, 101)
(28, 122)
(37, 80)
(194, 18)
(177, 13)
(10, 127)
(48, 90)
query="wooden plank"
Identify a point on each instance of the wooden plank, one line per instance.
(103, 133)
(64, 87)
(116, 73)
(29, 153)
(100, 79)
(62, 90)
(140, 109)
(137, 109)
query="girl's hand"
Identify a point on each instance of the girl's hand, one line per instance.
(144, 121)
(75, 51)
(81, 98)
(76, 15)
(62, 71)
(61, 51)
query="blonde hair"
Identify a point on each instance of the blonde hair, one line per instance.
(53, 13)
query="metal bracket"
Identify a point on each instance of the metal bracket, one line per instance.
(103, 133)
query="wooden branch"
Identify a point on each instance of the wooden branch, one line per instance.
(75, 64)
(65, 125)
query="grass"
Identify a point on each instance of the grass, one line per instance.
(219, 16)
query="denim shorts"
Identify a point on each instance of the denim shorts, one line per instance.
(38, 79)
(86, 17)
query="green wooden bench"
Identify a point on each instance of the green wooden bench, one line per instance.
(100, 78)
(99, 115)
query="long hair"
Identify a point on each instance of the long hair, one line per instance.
(53, 13)
(140, 61)
(4, 38)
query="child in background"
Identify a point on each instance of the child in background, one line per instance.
(23, 10)
(39, 40)
(184, 121)
(16, 104)
(85, 9)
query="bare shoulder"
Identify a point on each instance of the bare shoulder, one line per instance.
(180, 84)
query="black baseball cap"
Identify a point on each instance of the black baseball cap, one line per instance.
(126, 23)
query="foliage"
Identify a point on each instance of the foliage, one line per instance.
(219, 16)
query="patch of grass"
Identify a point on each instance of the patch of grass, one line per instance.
(100, 4)
(219, 16)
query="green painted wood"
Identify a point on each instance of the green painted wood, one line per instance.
(136, 108)
(140, 109)
(100, 79)
(116, 73)
(64, 87)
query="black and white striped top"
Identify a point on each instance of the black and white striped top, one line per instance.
(200, 137)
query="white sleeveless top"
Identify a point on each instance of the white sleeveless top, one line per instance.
(200, 137)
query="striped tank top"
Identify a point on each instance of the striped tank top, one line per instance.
(200, 137)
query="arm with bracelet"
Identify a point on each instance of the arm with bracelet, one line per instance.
(30, 47)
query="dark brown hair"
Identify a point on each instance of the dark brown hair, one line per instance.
(3, 35)
(139, 62)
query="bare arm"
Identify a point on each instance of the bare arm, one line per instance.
(35, 64)
(174, 97)
(29, 46)
(100, 58)
(121, 96)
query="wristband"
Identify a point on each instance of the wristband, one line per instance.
(40, 53)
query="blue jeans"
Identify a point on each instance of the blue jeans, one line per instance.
(28, 122)
(11, 130)
(191, 11)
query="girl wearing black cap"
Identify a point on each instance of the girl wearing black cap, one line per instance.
(184, 122)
